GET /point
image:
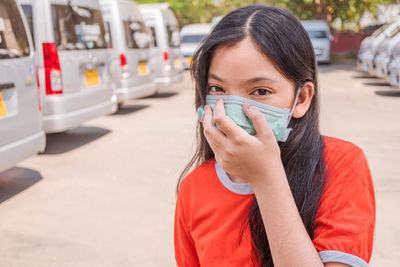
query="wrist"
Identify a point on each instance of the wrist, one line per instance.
(273, 172)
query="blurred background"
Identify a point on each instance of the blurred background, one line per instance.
(97, 119)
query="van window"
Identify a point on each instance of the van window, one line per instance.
(29, 19)
(108, 37)
(13, 39)
(317, 34)
(193, 38)
(136, 34)
(381, 30)
(153, 32)
(174, 38)
(76, 27)
(395, 32)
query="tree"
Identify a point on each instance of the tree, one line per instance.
(328, 10)
(202, 11)
(199, 11)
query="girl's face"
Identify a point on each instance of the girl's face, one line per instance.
(243, 70)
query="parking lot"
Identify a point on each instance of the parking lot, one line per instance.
(103, 194)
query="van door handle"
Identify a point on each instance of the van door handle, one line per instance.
(4, 86)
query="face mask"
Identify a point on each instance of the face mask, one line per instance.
(277, 118)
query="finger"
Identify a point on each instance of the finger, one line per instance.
(214, 136)
(263, 131)
(225, 123)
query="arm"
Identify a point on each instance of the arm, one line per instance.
(288, 239)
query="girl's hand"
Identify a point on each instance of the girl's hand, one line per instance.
(251, 158)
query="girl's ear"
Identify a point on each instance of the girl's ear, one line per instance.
(305, 97)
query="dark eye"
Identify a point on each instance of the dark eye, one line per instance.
(261, 92)
(215, 89)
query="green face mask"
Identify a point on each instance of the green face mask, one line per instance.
(277, 118)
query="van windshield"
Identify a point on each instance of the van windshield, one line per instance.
(193, 38)
(317, 34)
(395, 32)
(78, 28)
(13, 39)
(153, 33)
(136, 34)
(174, 38)
(381, 30)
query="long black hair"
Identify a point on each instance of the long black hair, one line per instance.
(282, 38)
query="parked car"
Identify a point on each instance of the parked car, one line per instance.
(192, 36)
(21, 133)
(166, 43)
(72, 58)
(367, 51)
(216, 20)
(393, 73)
(131, 42)
(383, 53)
(321, 38)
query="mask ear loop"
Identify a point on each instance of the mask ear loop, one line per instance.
(295, 103)
(288, 130)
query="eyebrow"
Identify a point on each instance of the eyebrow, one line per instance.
(252, 80)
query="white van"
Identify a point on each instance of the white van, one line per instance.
(131, 42)
(192, 36)
(21, 133)
(72, 58)
(383, 54)
(321, 38)
(166, 51)
(367, 51)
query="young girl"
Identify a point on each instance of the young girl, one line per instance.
(268, 189)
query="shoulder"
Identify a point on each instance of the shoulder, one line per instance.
(342, 156)
(198, 178)
(337, 148)
(346, 166)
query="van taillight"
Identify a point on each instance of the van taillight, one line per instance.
(167, 66)
(124, 67)
(122, 59)
(166, 56)
(52, 70)
(38, 87)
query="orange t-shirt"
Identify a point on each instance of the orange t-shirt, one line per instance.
(211, 214)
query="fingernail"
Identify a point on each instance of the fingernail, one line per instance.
(219, 99)
(247, 105)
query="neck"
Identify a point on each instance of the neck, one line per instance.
(236, 179)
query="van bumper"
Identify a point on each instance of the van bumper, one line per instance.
(380, 66)
(163, 82)
(323, 56)
(366, 62)
(66, 121)
(13, 153)
(393, 76)
(140, 91)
